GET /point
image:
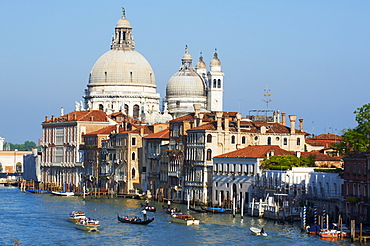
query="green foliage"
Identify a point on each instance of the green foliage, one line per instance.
(285, 162)
(26, 146)
(357, 138)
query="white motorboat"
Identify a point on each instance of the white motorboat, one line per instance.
(185, 219)
(75, 216)
(258, 231)
(62, 193)
(88, 224)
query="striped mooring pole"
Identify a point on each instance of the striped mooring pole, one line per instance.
(304, 218)
(324, 215)
(315, 215)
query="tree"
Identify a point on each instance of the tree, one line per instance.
(27, 146)
(285, 162)
(358, 138)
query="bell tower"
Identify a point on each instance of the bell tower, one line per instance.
(215, 87)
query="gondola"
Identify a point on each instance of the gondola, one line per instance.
(198, 210)
(132, 221)
(148, 208)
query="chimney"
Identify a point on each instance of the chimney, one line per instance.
(226, 122)
(200, 118)
(283, 119)
(272, 152)
(141, 131)
(67, 117)
(46, 118)
(91, 118)
(219, 123)
(301, 124)
(278, 116)
(238, 117)
(292, 119)
(52, 118)
(196, 110)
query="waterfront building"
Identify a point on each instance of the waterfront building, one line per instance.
(62, 160)
(151, 170)
(31, 166)
(11, 161)
(217, 133)
(323, 143)
(356, 203)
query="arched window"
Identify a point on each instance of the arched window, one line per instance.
(133, 156)
(243, 140)
(285, 141)
(298, 141)
(101, 107)
(209, 138)
(126, 109)
(209, 154)
(269, 141)
(214, 83)
(133, 173)
(219, 83)
(136, 111)
(232, 139)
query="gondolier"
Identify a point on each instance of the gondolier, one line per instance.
(144, 214)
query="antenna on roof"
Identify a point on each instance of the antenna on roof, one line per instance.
(267, 95)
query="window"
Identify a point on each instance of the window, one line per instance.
(298, 141)
(285, 141)
(214, 83)
(133, 173)
(209, 154)
(126, 109)
(243, 140)
(269, 141)
(133, 141)
(232, 139)
(219, 83)
(136, 112)
(209, 138)
(133, 156)
(101, 107)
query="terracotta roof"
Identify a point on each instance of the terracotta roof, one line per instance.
(105, 131)
(327, 136)
(320, 156)
(93, 115)
(324, 143)
(259, 151)
(165, 134)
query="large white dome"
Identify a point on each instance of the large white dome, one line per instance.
(122, 67)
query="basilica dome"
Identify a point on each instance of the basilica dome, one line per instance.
(122, 67)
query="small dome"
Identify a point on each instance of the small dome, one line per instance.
(123, 23)
(201, 63)
(185, 83)
(215, 62)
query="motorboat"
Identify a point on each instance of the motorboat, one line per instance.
(218, 210)
(257, 231)
(62, 193)
(170, 210)
(75, 216)
(88, 224)
(134, 220)
(185, 219)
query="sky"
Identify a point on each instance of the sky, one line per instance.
(313, 55)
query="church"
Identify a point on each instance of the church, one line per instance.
(122, 80)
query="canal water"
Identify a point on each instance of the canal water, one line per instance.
(41, 219)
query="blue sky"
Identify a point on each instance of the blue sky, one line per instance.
(314, 55)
